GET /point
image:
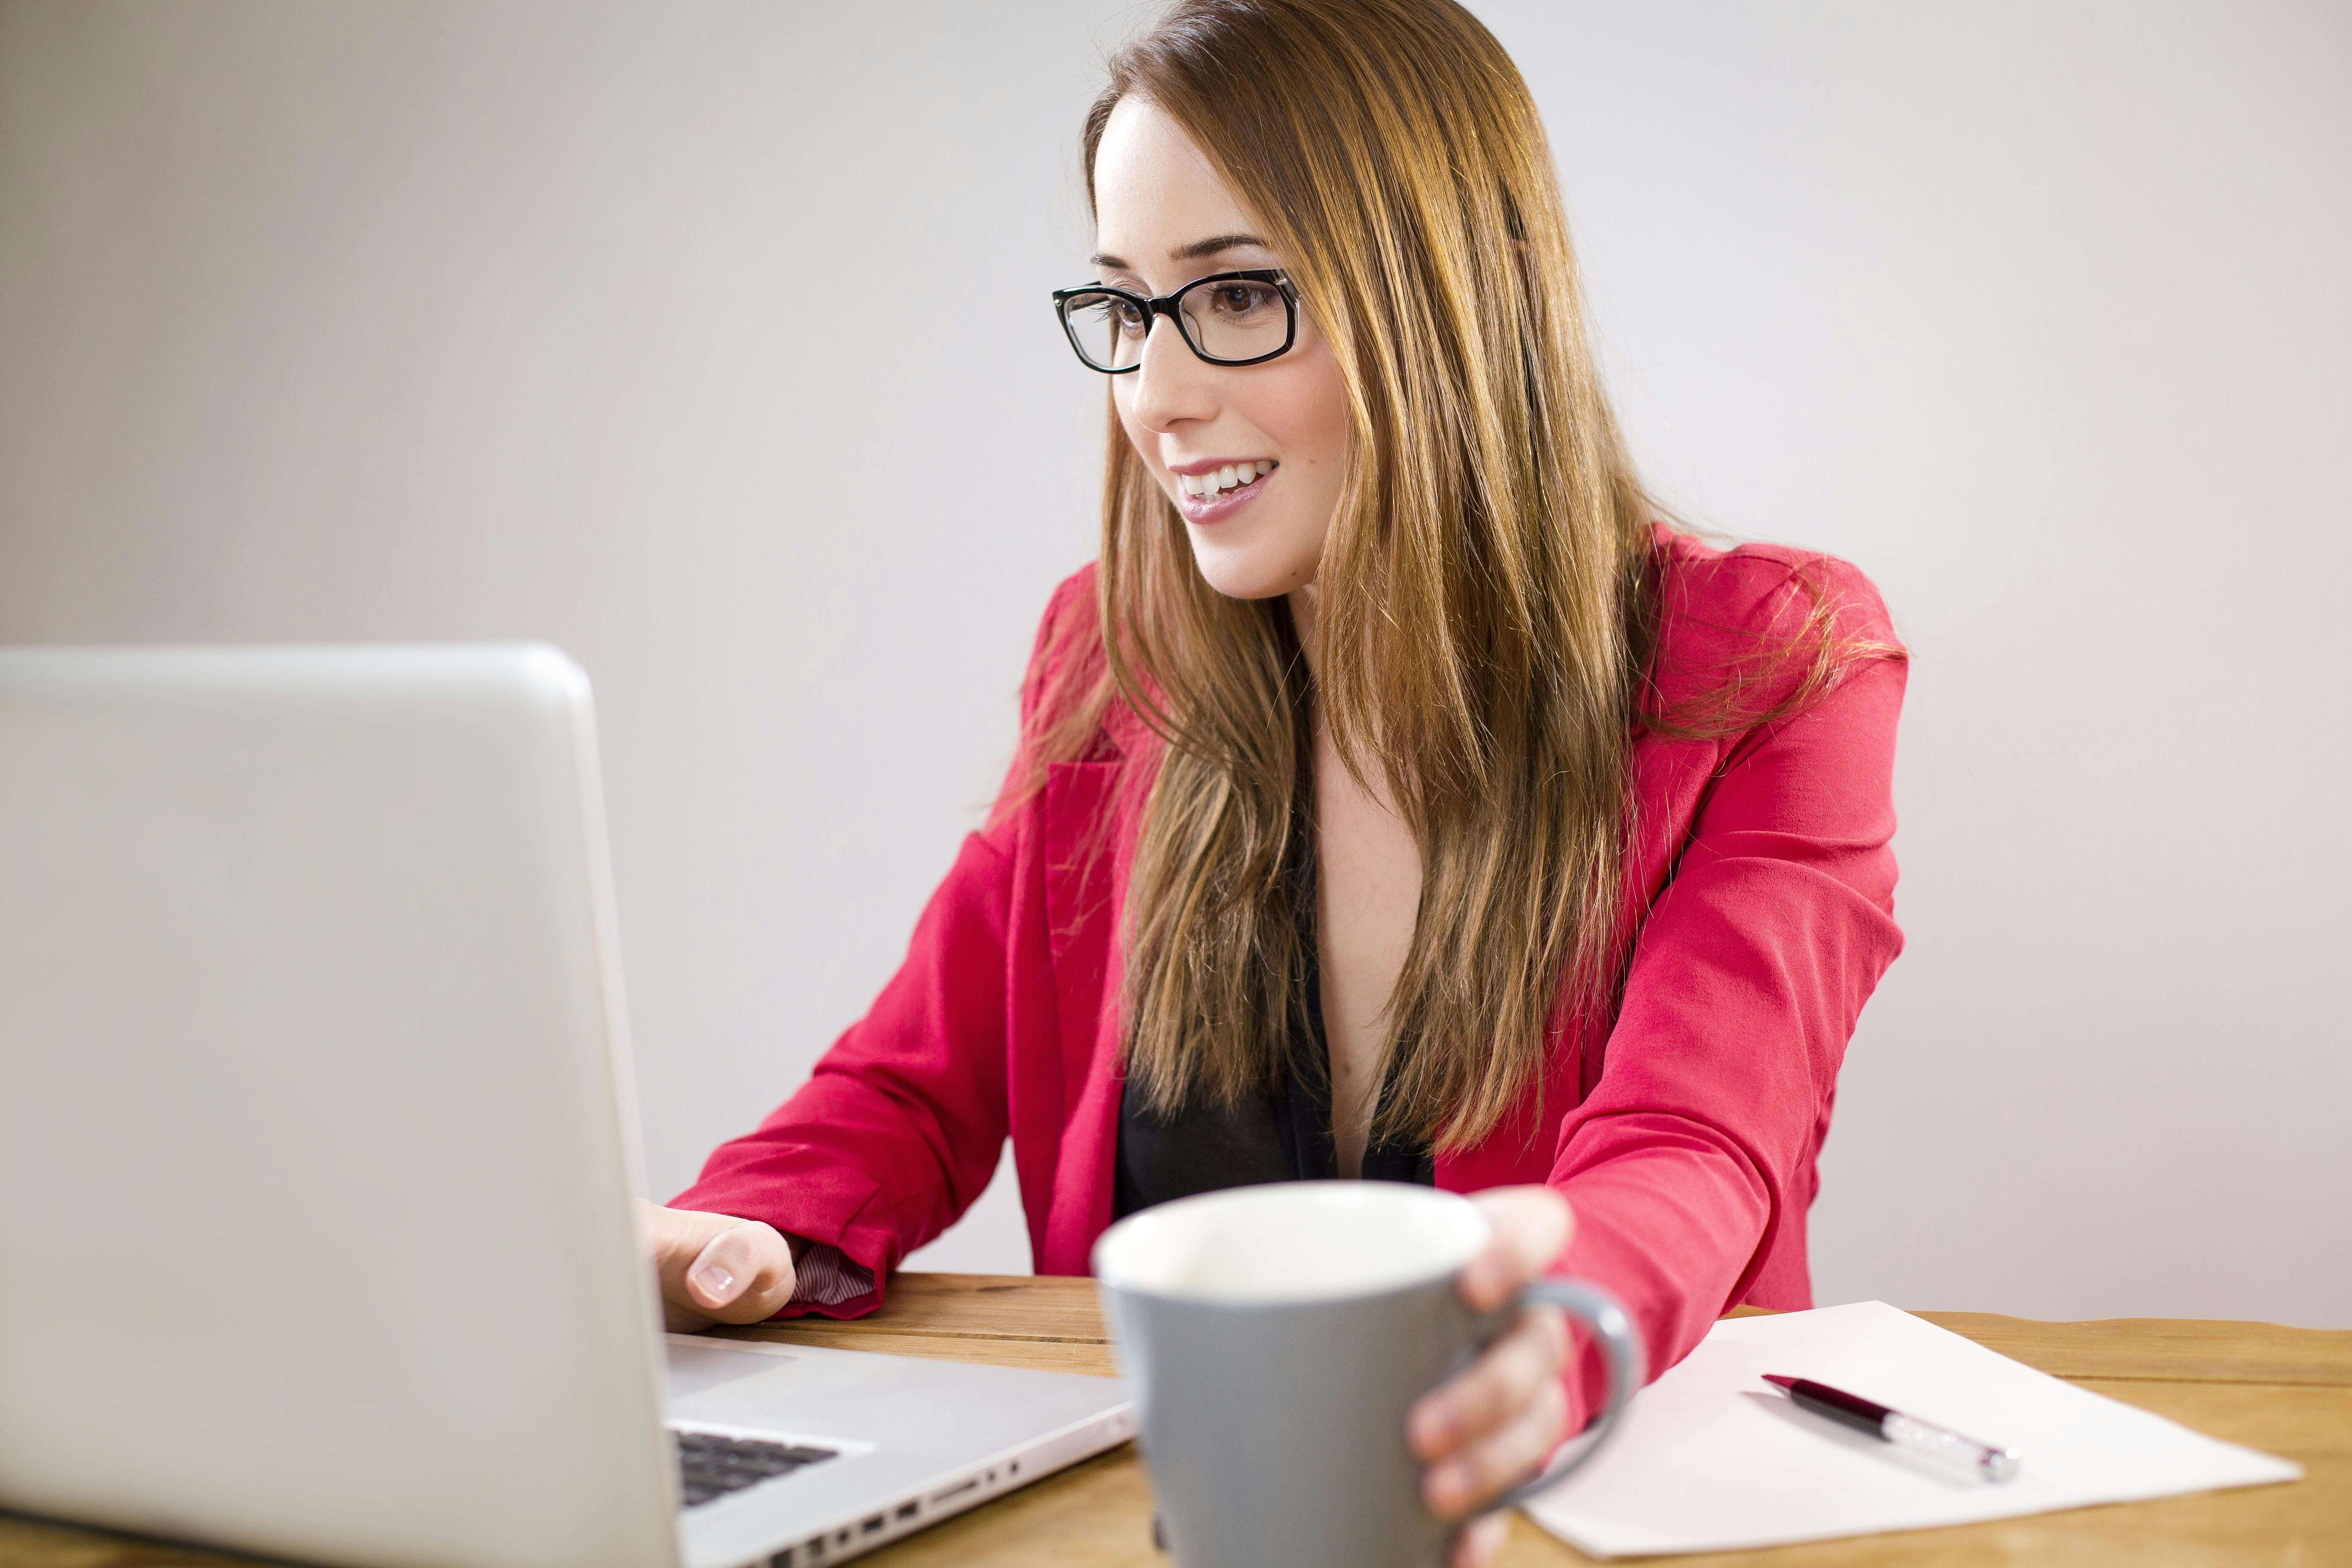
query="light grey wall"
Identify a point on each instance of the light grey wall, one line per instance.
(2038, 313)
(707, 342)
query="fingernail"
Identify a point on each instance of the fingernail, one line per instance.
(716, 1284)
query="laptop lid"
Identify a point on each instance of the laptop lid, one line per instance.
(316, 1162)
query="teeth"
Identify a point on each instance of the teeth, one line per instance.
(1232, 475)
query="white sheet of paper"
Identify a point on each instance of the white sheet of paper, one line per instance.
(1714, 1459)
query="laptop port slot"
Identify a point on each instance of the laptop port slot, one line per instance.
(955, 1491)
(907, 1510)
(873, 1524)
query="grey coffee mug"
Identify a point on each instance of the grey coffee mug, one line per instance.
(1277, 1336)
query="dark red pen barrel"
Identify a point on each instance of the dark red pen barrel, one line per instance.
(1840, 1405)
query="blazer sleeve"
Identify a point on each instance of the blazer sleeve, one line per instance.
(1696, 1144)
(898, 1129)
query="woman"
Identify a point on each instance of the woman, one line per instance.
(1397, 797)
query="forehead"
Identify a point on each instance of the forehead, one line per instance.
(1155, 190)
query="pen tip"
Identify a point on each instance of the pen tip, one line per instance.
(1777, 1381)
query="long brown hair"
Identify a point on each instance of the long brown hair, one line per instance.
(1486, 599)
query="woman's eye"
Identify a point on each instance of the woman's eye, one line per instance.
(1240, 298)
(1117, 315)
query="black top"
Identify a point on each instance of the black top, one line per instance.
(1282, 1135)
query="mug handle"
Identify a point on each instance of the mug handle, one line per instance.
(1598, 1311)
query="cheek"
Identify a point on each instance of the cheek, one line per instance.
(1306, 411)
(1310, 422)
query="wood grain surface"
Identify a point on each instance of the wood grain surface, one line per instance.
(2285, 1390)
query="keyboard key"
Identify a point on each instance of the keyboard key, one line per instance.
(712, 1466)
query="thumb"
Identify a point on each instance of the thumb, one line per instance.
(742, 1275)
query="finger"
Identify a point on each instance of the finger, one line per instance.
(1492, 1389)
(742, 1275)
(678, 1240)
(1479, 1541)
(1509, 1456)
(1530, 1229)
(675, 1238)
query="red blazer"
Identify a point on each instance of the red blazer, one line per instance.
(1683, 1132)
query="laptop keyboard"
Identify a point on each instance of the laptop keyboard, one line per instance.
(710, 1465)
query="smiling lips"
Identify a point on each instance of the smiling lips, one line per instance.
(1232, 475)
(1219, 492)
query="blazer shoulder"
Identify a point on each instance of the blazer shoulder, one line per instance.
(1761, 587)
(1752, 619)
(1069, 676)
(1073, 596)
(1060, 649)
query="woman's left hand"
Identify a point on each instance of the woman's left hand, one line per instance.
(1489, 1427)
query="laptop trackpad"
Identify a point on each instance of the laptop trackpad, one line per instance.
(698, 1366)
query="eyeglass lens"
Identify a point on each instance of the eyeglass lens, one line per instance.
(1227, 320)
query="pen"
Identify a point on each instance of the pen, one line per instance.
(1903, 1431)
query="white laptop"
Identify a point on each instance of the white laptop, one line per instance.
(318, 1173)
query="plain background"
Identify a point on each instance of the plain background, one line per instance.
(709, 342)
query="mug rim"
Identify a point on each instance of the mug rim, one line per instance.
(1458, 1208)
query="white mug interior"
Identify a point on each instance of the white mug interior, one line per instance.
(1291, 1241)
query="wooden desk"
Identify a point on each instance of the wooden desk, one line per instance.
(2287, 1391)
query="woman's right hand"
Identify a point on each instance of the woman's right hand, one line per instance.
(716, 1268)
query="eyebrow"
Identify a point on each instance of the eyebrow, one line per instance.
(1193, 252)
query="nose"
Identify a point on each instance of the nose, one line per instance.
(1171, 384)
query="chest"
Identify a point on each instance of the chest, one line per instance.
(1069, 889)
(1368, 898)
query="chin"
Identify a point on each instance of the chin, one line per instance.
(1251, 569)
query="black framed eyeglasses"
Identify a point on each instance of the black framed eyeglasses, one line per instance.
(1226, 318)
